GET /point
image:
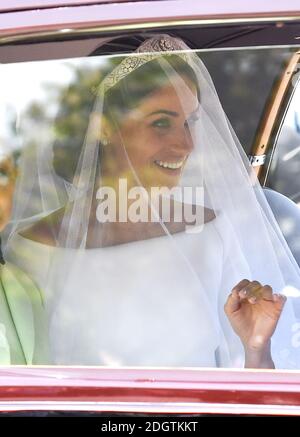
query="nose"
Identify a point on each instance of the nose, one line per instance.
(182, 141)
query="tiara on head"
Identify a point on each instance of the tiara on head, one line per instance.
(150, 49)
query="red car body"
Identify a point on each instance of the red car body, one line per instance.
(164, 391)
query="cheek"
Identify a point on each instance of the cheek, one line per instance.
(143, 145)
(5, 199)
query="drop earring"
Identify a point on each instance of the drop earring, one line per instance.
(104, 142)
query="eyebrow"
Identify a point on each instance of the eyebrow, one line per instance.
(164, 111)
(172, 113)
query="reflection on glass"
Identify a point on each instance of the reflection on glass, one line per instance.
(284, 173)
(131, 221)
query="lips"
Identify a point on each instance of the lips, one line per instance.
(170, 165)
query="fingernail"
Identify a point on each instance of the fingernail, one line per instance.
(277, 297)
(252, 299)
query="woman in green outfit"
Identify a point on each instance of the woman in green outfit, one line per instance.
(22, 319)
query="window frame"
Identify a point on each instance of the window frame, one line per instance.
(146, 390)
(273, 119)
(150, 390)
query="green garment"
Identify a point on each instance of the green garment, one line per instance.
(23, 327)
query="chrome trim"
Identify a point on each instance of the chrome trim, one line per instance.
(275, 143)
(272, 114)
(145, 25)
(256, 160)
(151, 407)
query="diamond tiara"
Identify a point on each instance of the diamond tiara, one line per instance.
(151, 49)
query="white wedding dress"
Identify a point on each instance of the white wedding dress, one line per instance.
(132, 305)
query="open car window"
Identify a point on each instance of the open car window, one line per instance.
(283, 167)
(47, 106)
(143, 298)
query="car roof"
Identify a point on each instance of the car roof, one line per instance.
(38, 4)
(206, 8)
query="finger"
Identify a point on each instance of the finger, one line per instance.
(233, 303)
(257, 293)
(279, 300)
(267, 292)
(250, 291)
(253, 300)
(241, 285)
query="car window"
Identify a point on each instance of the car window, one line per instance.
(283, 175)
(133, 298)
(236, 73)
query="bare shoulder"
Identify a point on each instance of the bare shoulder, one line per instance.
(209, 215)
(204, 215)
(46, 230)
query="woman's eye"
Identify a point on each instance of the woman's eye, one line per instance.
(161, 123)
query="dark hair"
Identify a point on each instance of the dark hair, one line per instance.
(138, 84)
(143, 81)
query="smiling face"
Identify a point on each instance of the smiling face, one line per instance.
(156, 135)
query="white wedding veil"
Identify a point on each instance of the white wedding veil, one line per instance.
(60, 210)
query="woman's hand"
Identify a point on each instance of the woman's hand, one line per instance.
(253, 311)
